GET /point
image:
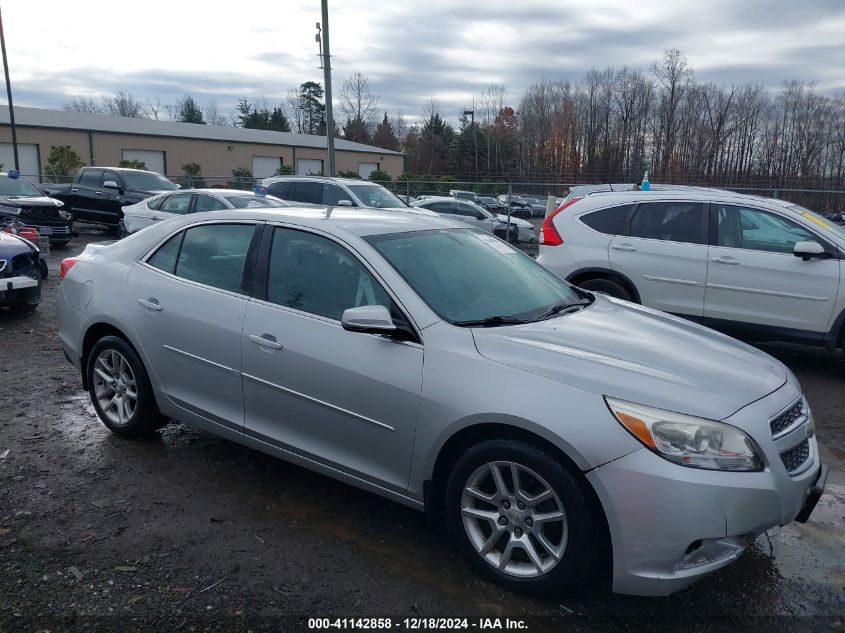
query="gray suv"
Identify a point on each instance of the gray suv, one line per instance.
(341, 192)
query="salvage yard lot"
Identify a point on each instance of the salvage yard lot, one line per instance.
(187, 528)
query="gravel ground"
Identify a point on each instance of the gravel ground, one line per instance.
(185, 531)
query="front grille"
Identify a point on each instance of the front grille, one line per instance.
(787, 418)
(795, 457)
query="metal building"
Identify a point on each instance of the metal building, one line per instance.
(165, 146)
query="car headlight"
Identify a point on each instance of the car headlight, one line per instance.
(9, 210)
(687, 440)
(64, 215)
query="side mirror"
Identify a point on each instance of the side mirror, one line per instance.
(110, 184)
(809, 250)
(345, 203)
(372, 319)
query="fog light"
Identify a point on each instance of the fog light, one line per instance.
(706, 551)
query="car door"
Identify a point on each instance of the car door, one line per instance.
(663, 251)
(345, 399)
(187, 304)
(307, 191)
(108, 198)
(83, 195)
(755, 278)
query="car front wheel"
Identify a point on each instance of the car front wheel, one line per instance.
(521, 518)
(120, 389)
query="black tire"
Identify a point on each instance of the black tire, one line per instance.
(59, 243)
(145, 417)
(23, 306)
(583, 544)
(607, 286)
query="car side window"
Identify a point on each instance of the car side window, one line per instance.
(177, 203)
(669, 221)
(304, 191)
(332, 194)
(91, 178)
(439, 207)
(214, 254)
(155, 203)
(110, 175)
(165, 257)
(468, 210)
(607, 220)
(752, 229)
(316, 275)
(208, 203)
(280, 189)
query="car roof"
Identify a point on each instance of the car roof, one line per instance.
(220, 192)
(356, 181)
(678, 193)
(339, 220)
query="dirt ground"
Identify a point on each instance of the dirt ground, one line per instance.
(189, 532)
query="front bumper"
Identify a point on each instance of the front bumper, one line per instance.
(19, 289)
(671, 525)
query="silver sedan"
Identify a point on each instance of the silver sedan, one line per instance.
(364, 345)
(180, 202)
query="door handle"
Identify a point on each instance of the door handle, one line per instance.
(151, 304)
(726, 260)
(266, 340)
(99, 193)
(623, 247)
(74, 190)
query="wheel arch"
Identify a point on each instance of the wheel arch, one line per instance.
(94, 333)
(434, 487)
(583, 274)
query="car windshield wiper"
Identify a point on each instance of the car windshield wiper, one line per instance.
(564, 306)
(491, 321)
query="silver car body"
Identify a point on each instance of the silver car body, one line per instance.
(474, 214)
(378, 413)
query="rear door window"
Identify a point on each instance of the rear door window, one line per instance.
(178, 204)
(91, 178)
(607, 220)
(332, 194)
(165, 257)
(310, 192)
(208, 203)
(669, 222)
(214, 254)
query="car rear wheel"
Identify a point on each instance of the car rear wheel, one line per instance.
(120, 389)
(521, 518)
(607, 286)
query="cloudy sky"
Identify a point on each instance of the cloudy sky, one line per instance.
(411, 51)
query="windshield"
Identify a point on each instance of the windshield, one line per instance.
(18, 187)
(244, 201)
(375, 196)
(480, 209)
(467, 275)
(819, 221)
(146, 181)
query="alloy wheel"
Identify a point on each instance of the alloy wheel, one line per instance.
(114, 387)
(514, 519)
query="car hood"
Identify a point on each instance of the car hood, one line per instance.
(30, 201)
(623, 350)
(11, 245)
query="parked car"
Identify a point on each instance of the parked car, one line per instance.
(476, 215)
(406, 199)
(20, 199)
(547, 424)
(167, 205)
(342, 192)
(463, 195)
(98, 194)
(493, 205)
(753, 266)
(20, 273)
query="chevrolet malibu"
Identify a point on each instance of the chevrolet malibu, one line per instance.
(364, 344)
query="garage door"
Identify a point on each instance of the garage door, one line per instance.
(265, 166)
(309, 167)
(153, 160)
(27, 158)
(365, 169)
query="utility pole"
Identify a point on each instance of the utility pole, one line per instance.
(9, 93)
(471, 113)
(327, 79)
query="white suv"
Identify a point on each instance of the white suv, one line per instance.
(756, 267)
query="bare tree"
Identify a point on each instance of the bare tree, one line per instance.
(82, 104)
(123, 104)
(295, 115)
(213, 116)
(673, 74)
(153, 108)
(357, 99)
